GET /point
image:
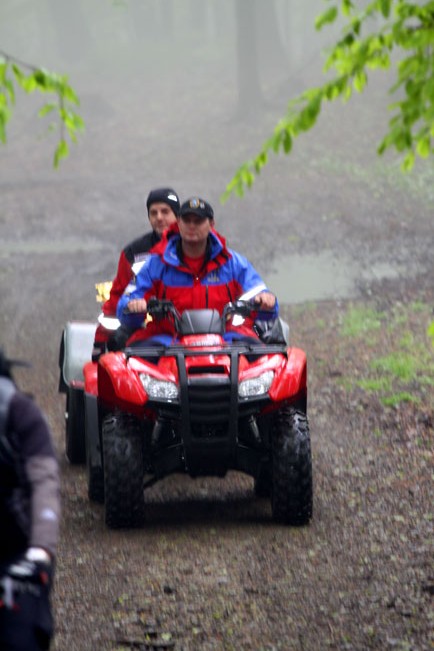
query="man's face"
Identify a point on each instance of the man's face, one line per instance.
(161, 217)
(194, 229)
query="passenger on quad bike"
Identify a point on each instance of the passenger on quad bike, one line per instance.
(163, 207)
(197, 391)
(193, 268)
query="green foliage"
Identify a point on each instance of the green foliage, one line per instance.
(361, 320)
(406, 370)
(16, 73)
(398, 364)
(403, 28)
(397, 398)
(430, 332)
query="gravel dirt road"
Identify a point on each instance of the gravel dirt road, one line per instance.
(210, 571)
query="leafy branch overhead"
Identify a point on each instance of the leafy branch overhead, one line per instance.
(15, 73)
(404, 29)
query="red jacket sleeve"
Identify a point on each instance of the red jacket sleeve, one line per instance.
(120, 282)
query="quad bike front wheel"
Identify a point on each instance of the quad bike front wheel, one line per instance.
(74, 426)
(263, 482)
(292, 493)
(123, 471)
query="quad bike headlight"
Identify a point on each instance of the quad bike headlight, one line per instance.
(256, 386)
(161, 389)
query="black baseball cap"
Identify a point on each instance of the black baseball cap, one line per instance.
(197, 206)
(164, 195)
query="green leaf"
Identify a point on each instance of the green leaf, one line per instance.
(8, 84)
(18, 72)
(47, 108)
(42, 80)
(28, 83)
(423, 146)
(328, 16)
(286, 142)
(68, 94)
(408, 162)
(3, 121)
(360, 81)
(385, 7)
(61, 152)
(3, 71)
(260, 161)
(347, 6)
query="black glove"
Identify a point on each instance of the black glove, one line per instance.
(99, 348)
(118, 339)
(29, 571)
(26, 576)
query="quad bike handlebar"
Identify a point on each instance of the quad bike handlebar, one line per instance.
(162, 308)
(201, 321)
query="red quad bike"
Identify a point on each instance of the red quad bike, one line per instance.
(200, 406)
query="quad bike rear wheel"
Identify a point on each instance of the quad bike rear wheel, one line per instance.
(74, 426)
(123, 471)
(95, 480)
(292, 494)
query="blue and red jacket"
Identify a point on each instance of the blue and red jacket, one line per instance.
(225, 276)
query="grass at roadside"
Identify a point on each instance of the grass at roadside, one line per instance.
(401, 366)
(387, 353)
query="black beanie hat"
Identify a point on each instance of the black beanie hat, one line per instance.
(164, 195)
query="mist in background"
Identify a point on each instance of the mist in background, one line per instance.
(152, 74)
(180, 93)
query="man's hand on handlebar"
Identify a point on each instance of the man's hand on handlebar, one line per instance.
(265, 301)
(137, 306)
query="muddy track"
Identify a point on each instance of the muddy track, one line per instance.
(209, 570)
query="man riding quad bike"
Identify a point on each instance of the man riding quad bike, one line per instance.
(201, 406)
(196, 390)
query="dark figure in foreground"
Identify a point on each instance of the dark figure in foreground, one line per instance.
(29, 519)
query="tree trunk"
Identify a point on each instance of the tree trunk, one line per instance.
(249, 87)
(72, 34)
(271, 51)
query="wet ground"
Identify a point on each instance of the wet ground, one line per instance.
(329, 224)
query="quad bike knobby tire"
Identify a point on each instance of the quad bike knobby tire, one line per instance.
(123, 471)
(292, 494)
(263, 482)
(74, 426)
(95, 481)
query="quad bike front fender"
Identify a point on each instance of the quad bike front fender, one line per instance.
(118, 385)
(291, 381)
(90, 373)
